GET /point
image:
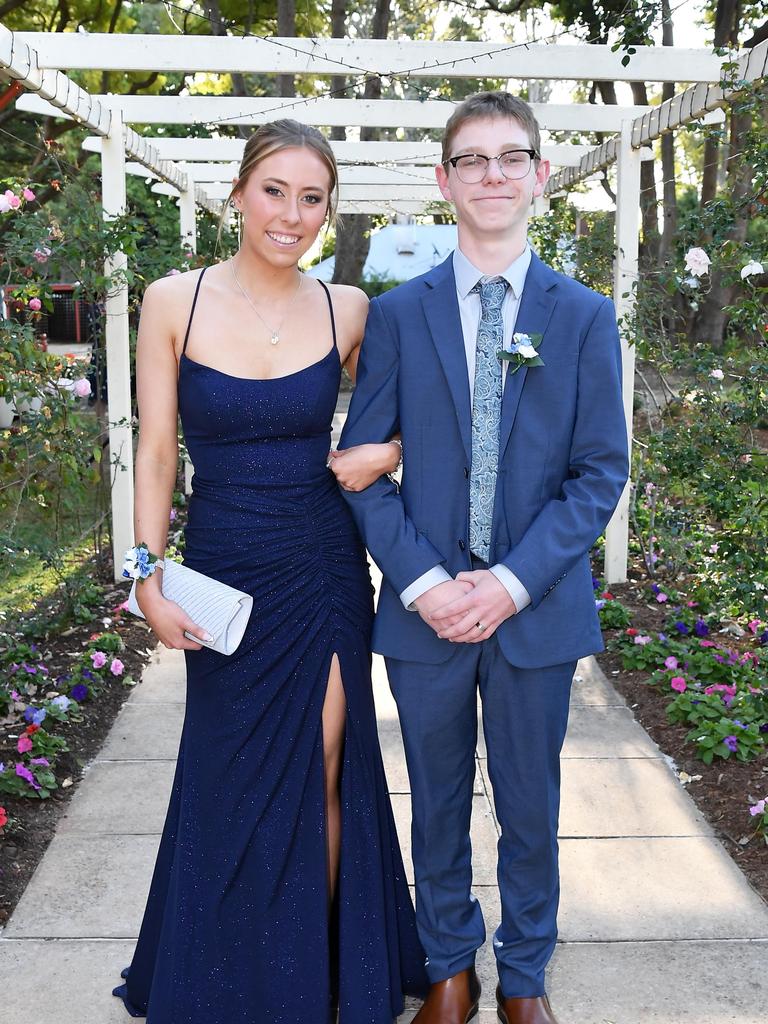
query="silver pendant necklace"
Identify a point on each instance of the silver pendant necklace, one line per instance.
(274, 332)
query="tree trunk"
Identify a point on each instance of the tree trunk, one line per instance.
(727, 18)
(286, 27)
(648, 202)
(353, 241)
(712, 320)
(669, 187)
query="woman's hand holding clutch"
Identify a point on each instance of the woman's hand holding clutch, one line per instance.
(168, 621)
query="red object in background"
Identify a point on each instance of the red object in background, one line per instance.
(10, 94)
(66, 323)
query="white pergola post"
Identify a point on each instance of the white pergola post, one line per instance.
(624, 282)
(118, 351)
(540, 205)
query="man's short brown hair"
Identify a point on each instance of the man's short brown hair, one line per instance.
(491, 104)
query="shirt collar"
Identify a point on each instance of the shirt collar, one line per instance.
(467, 275)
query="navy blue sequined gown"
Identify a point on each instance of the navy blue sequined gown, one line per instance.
(236, 925)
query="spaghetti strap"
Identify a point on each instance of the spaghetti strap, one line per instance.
(330, 307)
(192, 311)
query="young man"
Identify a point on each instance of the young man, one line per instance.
(512, 468)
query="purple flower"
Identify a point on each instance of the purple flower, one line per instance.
(29, 668)
(764, 727)
(595, 583)
(655, 588)
(2, 767)
(682, 628)
(599, 605)
(732, 743)
(701, 628)
(663, 637)
(23, 772)
(763, 638)
(35, 715)
(88, 674)
(739, 724)
(41, 760)
(79, 692)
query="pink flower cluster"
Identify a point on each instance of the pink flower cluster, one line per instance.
(99, 660)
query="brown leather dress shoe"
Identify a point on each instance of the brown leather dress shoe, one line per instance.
(453, 1001)
(524, 1010)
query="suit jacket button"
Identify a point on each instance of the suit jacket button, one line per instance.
(462, 546)
(466, 473)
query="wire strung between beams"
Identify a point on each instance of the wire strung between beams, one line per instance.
(231, 25)
(404, 77)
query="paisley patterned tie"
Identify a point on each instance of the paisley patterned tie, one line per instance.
(486, 415)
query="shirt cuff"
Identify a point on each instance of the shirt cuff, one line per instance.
(511, 584)
(431, 578)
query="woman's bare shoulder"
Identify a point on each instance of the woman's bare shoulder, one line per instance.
(173, 287)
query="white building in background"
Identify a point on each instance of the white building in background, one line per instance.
(399, 252)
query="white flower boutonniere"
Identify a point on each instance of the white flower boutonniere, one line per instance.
(522, 352)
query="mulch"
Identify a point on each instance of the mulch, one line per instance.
(726, 788)
(23, 843)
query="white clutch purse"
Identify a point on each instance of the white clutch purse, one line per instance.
(221, 610)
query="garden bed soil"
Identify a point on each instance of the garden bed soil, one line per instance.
(727, 787)
(25, 839)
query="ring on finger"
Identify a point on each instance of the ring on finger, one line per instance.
(480, 626)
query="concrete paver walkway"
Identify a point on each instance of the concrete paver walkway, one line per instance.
(656, 922)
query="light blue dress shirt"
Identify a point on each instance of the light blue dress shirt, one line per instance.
(467, 275)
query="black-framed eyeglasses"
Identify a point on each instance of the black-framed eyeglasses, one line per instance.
(472, 167)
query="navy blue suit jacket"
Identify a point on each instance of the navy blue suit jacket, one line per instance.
(562, 459)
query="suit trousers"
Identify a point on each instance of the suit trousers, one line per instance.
(524, 715)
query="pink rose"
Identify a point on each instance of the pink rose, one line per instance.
(99, 659)
(29, 195)
(35, 305)
(679, 684)
(42, 253)
(24, 745)
(117, 667)
(13, 200)
(82, 388)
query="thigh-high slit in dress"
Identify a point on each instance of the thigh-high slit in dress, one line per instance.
(236, 927)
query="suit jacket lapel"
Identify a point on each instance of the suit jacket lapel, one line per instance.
(536, 307)
(441, 308)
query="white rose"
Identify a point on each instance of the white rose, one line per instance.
(697, 262)
(717, 374)
(527, 351)
(753, 267)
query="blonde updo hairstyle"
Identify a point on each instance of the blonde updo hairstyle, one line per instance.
(285, 134)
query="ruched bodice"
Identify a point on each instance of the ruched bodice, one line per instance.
(237, 928)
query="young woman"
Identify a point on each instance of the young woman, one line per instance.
(279, 889)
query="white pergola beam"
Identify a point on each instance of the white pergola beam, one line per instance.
(422, 58)
(66, 99)
(425, 191)
(698, 103)
(202, 152)
(210, 110)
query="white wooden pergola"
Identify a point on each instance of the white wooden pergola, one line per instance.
(375, 177)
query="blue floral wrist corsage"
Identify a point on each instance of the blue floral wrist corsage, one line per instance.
(140, 563)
